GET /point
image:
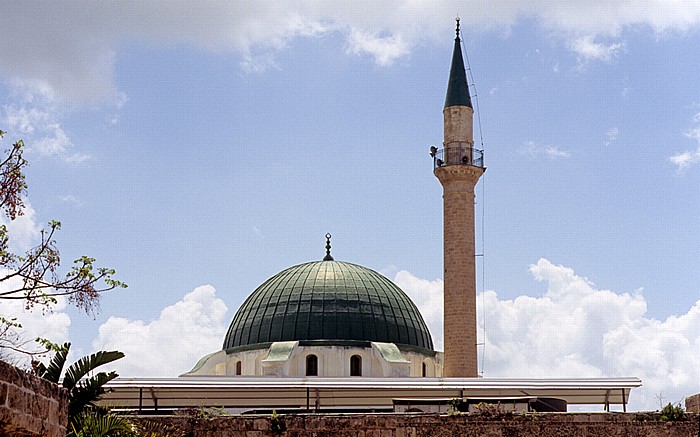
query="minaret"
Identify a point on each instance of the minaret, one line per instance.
(458, 168)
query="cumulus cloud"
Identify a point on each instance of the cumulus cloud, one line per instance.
(172, 344)
(578, 330)
(427, 295)
(534, 150)
(70, 46)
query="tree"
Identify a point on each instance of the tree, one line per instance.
(34, 275)
(83, 390)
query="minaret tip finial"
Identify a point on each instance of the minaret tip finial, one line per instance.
(457, 29)
(328, 256)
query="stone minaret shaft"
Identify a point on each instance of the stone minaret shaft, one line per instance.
(458, 170)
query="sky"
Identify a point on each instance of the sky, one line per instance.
(200, 148)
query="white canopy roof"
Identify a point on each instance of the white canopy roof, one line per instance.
(261, 392)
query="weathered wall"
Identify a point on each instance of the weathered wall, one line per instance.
(31, 406)
(692, 403)
(416, 425)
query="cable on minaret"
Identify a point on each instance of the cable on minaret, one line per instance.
(472, 85)
(328, 256)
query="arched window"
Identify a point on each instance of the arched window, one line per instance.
(425, 370)
(311, 365)
(239, 365)
(355, 365)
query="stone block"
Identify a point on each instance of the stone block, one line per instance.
(3, 394)
(261, 424)
(17, 399)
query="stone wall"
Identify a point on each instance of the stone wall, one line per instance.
(417, 425)
(692, 403)
(31, 406)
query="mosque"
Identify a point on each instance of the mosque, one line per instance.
(332, 334)
(332, 319)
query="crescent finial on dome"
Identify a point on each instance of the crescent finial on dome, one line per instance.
(328, 256)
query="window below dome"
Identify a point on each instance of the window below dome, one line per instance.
(311, 365)
(355, 365)
(239, 366)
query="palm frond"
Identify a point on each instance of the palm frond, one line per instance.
(151, 428)
(53, 372)
(87, 391)
(92, 423)
(87, 364)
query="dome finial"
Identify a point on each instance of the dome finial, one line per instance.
(328, 256)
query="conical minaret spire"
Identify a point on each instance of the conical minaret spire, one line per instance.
(458, 168)
(457, 87)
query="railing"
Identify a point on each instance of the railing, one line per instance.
(457, 155)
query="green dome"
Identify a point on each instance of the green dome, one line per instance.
(328, 300)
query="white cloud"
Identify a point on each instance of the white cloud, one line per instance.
(427, 295)
(534, 150)
(384, 49)
(588, 50)
(683, 160)
(172, 344)
(73, 43)
(578, 330)
(56, 143)
(35, 116)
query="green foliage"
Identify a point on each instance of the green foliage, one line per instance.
(671, 413)
(150, 428)
(277, 423)
(101, 423)
(83, 390)
(454, 404)
(55, 369)
(491, 410)
(202, 412)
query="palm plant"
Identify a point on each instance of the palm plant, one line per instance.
(83, 390)
(100, 422)
(97, 422)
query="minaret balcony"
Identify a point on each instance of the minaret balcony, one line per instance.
(457, 155)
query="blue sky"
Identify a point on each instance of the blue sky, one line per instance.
(199, 150)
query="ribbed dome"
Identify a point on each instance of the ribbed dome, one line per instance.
(328, 300)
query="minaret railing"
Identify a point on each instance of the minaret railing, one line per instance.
(458, 155)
